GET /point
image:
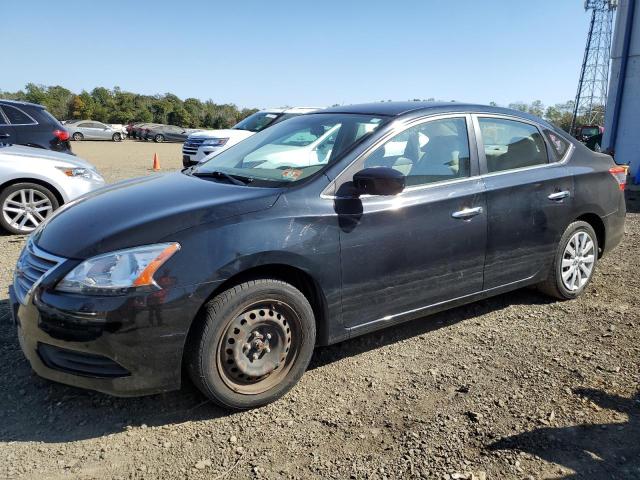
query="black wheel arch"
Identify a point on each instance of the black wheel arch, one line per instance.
(295, 276)
(598, 226)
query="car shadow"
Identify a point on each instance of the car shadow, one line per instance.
(34, 409)
(593, 451)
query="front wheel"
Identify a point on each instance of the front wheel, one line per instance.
(253, 343)
(574, 263)
(116, 137)
(78, 137)
(25, 206)
(158, 138)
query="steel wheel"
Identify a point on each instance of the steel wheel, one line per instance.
(23, 210)
(259, 347)
(578, 261)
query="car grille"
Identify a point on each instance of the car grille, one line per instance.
(32, 265)
(191, 146)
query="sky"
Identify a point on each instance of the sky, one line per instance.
(271, 53)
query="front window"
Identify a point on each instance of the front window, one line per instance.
(256, 122)
(292, 150)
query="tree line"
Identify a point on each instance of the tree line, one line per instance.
(118, 106)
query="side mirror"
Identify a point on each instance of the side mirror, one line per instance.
(379, 181)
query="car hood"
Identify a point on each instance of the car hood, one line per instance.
(143, 211)
(40, 153)
(224, 133)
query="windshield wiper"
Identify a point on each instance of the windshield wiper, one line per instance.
(235, 179)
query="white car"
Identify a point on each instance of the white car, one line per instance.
(35, 182)
(202, 144)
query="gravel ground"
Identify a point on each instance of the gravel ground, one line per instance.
(517, 386)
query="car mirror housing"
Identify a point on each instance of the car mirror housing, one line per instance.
(379, 181)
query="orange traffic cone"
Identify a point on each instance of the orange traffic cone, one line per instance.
(156, 162)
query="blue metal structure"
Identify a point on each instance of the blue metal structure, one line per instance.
(622, 121)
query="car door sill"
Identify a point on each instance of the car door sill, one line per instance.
(435, 307)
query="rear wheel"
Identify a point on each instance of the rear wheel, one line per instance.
(574, 263)
(158, 138)
(25, 206)
(116, 137)
(78, 137)
(253, 344)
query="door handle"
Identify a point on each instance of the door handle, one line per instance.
(467, 213)
(558, 196)
(4, 135)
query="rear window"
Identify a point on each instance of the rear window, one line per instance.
(558, 144)
(16, 116)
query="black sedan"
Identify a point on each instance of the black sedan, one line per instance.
(321, 228)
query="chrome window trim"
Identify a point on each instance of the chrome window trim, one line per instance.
(33, 121)
(540, 127)
(396, 130)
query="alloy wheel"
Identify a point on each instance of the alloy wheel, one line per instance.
(259, 347)
(578, 260)
(25, 209)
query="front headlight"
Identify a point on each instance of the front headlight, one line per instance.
(76, 172)
(215, 142)
(118, 272)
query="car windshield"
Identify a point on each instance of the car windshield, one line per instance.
(294, 149)
(256, 122)
(590, 131)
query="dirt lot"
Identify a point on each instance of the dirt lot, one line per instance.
(517, 386)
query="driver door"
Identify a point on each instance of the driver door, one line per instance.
(402, 254)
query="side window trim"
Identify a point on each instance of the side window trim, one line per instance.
(474, 173)
(3, 117)
(484, 171)
(33, 121)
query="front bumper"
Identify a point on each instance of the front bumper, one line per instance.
(123, 346)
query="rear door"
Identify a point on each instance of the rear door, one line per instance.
(401, 254)
(7, 133)
(26, 129)
(529, 198)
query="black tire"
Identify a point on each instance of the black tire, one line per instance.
(209, 340)
(158, 138)
(7, 192)
(116, 137)
(78, 137)
(554, 285)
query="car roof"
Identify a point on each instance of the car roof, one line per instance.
(19, 103)
(291, 110)
(397, 109)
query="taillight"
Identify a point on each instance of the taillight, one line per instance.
(61, 135)
(620, 174)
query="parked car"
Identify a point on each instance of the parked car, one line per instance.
(202, 144)
(92, 130)
(35, 182)
(140, 130)
(167, 133)
(594, 142)
(419, 207)
(23, 123)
